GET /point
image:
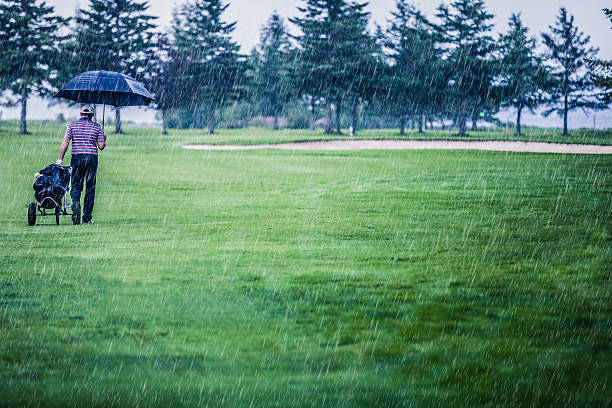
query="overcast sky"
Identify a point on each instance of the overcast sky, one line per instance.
(250, 15)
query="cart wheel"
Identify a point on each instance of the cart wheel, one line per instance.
(76, 213)
(32, 214)
(57, 214)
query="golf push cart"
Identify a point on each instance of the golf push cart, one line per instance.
(51, 191)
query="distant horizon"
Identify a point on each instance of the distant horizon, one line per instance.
(143, 116)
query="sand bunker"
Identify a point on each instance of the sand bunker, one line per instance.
(342, 145)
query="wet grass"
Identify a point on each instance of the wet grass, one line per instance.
(259, 136)
(250, 136)
(278, 278)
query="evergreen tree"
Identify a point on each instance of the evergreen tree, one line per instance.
(112, 35)
(215, 74)
(465, 31)
(524, 76)
(29, 34)
(163, 68)
(568, 52)
(305, 88)
(416, 76)
(336, 60)
(271, 58)
(601, 72)
(364, 58)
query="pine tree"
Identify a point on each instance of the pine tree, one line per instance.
(29, 34)
(416, 77)
(524, 77)
(363, 65)
(160, 77)
(601, 72)
(111, 35)
(465, 30)
(271, 59)
(216, 71)
(336, 60)
(568, 52)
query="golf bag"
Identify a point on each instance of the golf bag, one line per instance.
(51, 186)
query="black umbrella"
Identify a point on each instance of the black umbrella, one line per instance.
(107, 88)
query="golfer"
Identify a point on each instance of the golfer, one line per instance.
(87, 137)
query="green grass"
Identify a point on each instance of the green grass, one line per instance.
(279, 278)
(250, 136)
(260, 136)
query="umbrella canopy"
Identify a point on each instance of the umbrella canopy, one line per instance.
(106, 87)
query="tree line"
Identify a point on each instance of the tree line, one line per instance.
(452, 70)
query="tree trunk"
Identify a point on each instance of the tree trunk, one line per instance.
(565, 109)
(275, 126)
(164, 122)
(402, 125)
(353, 119)
(23, 125)
(421, 120)
(329, 126)
(198, 117)
(519, 111)
(313, 114)
(118, 120)
(211, 121)
(338, 107)
(462, 124)
(475, 121)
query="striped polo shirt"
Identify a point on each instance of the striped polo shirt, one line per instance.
(85, 135)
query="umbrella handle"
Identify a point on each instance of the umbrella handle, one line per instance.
(103, 111)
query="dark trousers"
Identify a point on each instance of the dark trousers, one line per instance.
(84, 168)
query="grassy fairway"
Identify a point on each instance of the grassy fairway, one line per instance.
(279, 278)
(262, 136)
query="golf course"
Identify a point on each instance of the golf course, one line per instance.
(290, 278)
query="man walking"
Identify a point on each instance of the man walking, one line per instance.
(87, 137)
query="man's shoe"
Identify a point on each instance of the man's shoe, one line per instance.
(76, 213)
